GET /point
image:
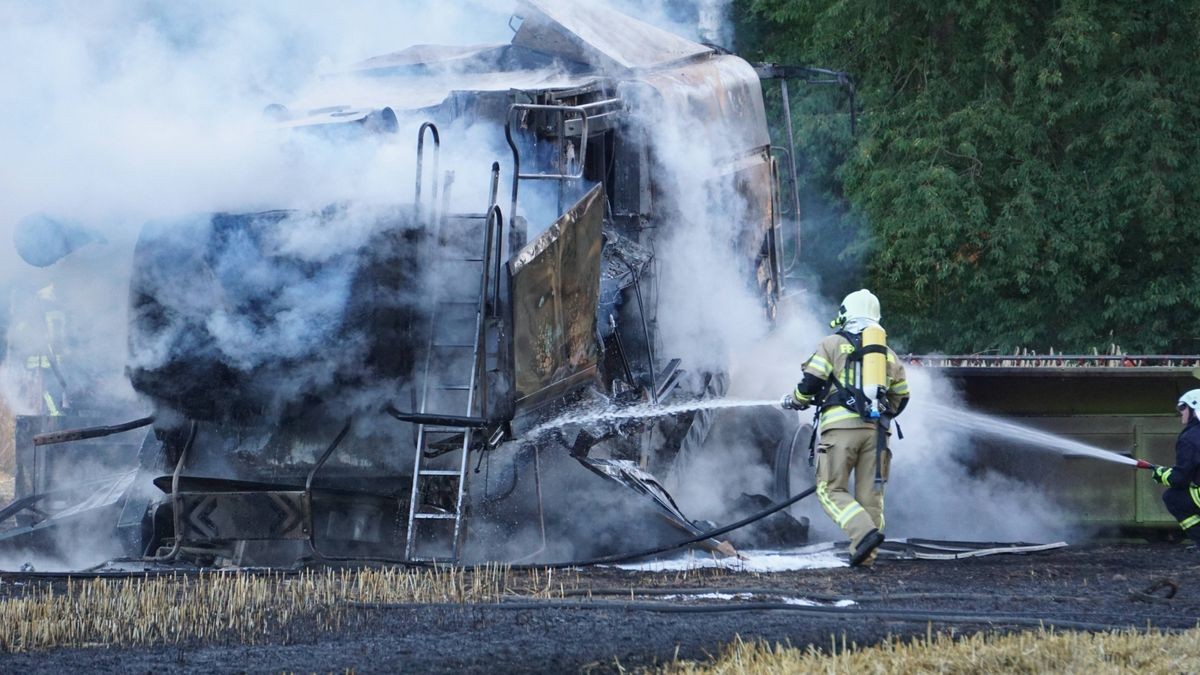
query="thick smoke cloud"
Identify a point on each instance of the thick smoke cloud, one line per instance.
(119, 113)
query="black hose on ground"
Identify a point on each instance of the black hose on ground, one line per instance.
(627, 557)
(908, 615)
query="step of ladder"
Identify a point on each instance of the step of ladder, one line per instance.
(434, 516)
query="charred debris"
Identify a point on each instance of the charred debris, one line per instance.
(378, 404)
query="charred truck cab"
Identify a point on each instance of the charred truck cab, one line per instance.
(413, 425)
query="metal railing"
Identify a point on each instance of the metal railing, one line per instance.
(582, 115)
(1055, 360)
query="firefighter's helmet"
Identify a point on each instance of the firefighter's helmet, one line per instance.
(1190, 399)
(859, 304)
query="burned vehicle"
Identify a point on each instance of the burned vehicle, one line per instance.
(412, 381)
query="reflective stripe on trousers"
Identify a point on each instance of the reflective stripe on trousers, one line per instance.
(51, 407)
(840, 516)
(848, 456)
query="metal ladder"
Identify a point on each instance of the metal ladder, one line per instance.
(454, 381)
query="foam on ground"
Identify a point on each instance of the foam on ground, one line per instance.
(816, 556)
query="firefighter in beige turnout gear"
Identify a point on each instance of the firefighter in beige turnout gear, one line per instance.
(859, 386)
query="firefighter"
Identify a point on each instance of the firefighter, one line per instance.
(38, 334)
(1182, 496)
(858, 385)
(37, 339)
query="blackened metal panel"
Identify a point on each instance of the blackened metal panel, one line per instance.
(724, 95)
(751, 181)
(555, 289)
(722, 92)
(228, 516)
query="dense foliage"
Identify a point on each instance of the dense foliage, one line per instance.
(1026, 173)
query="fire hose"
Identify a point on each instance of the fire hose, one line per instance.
(626, 557)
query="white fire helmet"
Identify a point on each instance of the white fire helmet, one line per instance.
(1190, 399)
(861, 304)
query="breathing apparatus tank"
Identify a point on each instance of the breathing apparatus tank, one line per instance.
(874, 378)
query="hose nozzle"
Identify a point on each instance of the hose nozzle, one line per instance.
(1143, 464)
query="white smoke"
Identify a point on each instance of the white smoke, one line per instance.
(932, 493)
(120, 112)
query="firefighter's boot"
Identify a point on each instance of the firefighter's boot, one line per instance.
(866, 547)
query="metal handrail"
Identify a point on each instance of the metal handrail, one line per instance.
(494, 185)
(495, 227)
(489, 285)
(597, 104)
(176, 506)
(437, 151)
(70, 435)
(310, 526)
(775, 240)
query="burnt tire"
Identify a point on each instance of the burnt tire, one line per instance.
(790, 453)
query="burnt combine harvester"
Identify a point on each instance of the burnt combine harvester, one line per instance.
(377, 398)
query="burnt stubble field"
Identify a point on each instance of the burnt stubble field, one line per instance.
(606, 619)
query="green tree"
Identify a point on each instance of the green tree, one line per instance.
(1026, 170)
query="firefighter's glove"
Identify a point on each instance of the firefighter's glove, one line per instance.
(1162, 475)
(789, 402)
